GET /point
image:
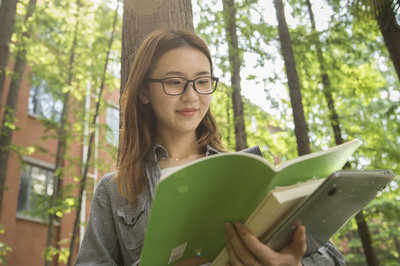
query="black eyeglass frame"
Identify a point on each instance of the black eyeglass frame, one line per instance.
(186, 85)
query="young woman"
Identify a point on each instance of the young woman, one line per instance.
(166, 123)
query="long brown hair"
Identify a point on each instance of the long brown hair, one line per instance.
(138, 119)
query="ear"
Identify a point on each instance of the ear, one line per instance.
(143, 98)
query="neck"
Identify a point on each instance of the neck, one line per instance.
(180, 146)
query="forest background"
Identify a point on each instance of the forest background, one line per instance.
(341, 76)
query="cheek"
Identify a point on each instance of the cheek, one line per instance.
(162, 106)
(158, 99)
(206, 102)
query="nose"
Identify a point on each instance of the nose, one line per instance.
(190, 93)
(187, 84)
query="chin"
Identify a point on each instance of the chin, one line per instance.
(190, 128)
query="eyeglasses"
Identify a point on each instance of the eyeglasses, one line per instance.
(175, 86)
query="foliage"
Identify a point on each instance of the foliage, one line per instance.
(48, 57)
(365, 90)
(62, 253)
(254, 37)
(4, 248)
(366, 96)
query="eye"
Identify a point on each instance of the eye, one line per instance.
(203, 81)
(173, 81)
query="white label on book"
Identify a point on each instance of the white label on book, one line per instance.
(177, 252)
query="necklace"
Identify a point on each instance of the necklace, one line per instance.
(196, 156)
(169, 158)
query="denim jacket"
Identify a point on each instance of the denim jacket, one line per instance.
(115, 229)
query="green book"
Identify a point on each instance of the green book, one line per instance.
(192, 204)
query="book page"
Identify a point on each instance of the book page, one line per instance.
(315, 165)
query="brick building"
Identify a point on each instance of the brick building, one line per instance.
(30, 177)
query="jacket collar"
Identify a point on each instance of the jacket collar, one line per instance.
(157, 152)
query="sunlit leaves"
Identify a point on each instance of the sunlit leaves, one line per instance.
(62, 253)
(4, 248)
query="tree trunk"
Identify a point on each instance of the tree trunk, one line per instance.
(61, 145)
(391, 35)
(234, 60)
(12, 101)
(365, 236)
(142, 17)
(335, 124)
(82, 185)
(228, 119)
(327, 90)
(8, 120)
(396, 243)
(7, 20)
(300, 124)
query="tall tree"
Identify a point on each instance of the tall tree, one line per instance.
(142, 17)
(12, 99)
(229, 13)
(90, 144)
(386, 13)
(61, 145)
(326, 83)
(300, 124)
(7, 20)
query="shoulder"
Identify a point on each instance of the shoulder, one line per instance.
(108, 177)
(107, 188)
(107, 181)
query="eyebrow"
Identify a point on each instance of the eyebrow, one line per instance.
(182, 74)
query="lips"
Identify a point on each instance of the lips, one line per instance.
(187, 111)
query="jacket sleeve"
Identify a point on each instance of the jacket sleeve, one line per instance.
(100, 245)
(327, 254)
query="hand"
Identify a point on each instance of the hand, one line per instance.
(244, 248)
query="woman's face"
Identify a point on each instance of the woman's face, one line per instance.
(182, 113)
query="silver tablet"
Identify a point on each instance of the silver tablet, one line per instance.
(340, 197)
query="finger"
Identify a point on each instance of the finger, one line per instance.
(298, 245)
(233, 259)
(238, 247)
(261, 252)
(296, 249)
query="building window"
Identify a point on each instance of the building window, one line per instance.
(36, 188)
(112, 121)
(43, 103)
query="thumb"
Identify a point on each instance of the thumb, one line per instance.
(298, 245)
